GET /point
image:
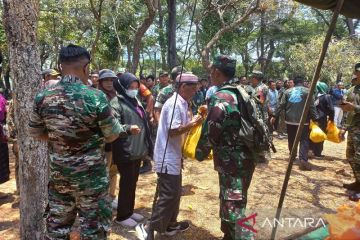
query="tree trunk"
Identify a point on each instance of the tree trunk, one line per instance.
(20, 21)
(171, 33)
(162, 39)
(269, 55)
(262, 41)
(97, 15)
(140, 32)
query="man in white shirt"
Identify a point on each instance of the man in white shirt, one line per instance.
(173, 126)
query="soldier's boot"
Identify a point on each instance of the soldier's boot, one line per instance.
(355, 186)
(304, 166)
(355, 197)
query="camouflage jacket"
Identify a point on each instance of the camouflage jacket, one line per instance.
(76, 118)
(353, 96)
(220, 132)
(164, 95)
(197, 101)
(156, 90)
(260, 92)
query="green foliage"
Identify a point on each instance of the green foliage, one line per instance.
(340, 58)
(295, 31)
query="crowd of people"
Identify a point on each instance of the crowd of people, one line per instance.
(105, 123)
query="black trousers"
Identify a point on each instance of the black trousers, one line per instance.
(304, 140)
(167, 205)
(4, 162)
(317, 148)
(129, 174)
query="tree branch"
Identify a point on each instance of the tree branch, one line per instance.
(322, 16)
(140, 32)
(205, 53)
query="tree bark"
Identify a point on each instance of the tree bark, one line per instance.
(262, 41)
(269, 55)
(140, 32)
(205, 54)
(20, 21)
(171, 33)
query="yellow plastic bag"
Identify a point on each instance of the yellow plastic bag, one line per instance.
(333, 133)
(191, 142)
(316, 135)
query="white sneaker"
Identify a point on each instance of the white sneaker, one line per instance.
(114, 204)
(137, 217)
(129, 223)
(141, 232)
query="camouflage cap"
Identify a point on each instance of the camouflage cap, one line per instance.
(163, 73)
(224, 62)
(257, 74)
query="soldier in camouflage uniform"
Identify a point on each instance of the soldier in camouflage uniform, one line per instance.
(259, 90)
(352, 105)
(163, 82)
(232, 159)
(165, 93)
(75, 119)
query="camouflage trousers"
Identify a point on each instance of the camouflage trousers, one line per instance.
(69, 198)
(233, 199)
(353, 151)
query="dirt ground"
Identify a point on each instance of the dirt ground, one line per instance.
(314, 193)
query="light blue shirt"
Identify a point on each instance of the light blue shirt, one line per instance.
(210, 92)
(272, 100)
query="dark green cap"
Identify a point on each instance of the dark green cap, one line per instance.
(224, 62)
